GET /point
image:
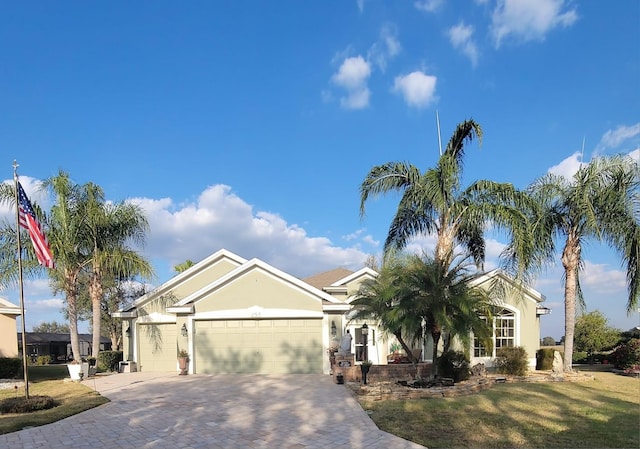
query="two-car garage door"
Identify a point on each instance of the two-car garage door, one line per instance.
(258, 346)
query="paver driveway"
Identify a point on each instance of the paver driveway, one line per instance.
(153, 410)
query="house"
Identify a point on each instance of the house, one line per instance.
(58, 346)
(234, 315)
(8, 342)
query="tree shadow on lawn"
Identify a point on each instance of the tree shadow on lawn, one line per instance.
(564, 414)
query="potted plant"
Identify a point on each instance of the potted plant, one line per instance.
(364, 369)
(183, 362)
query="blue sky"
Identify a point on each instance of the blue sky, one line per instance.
(250, 125)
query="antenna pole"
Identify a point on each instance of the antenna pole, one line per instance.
(439, 139)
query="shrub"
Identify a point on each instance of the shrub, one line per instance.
(454, 364)
(512, 361)
(627, 354)
(24, 405)
(580, 357)
(108, 360)
(544, 358)
(43, 360)
(10, 368)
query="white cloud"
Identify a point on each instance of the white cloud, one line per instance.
(221, 219)
(613, 138)
(428, 5)
(360, 4)
(461, 39)
(417, 88)
(352, 76)
(387, 47)
(529, 20)
(600, 278)
(568, 167)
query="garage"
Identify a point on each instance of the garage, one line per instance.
(156, 347)
(265, 346)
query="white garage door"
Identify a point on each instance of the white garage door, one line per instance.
(258, 346)
(156, 347)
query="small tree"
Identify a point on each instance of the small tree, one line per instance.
(548, 341)
(592, 334)
(52, 327)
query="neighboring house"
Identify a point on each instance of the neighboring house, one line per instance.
(8, 342)
(234, 315)
(58, 346)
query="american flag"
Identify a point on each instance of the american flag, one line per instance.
(28, 220)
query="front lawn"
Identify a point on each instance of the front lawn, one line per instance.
(73, 398)
(604, 412)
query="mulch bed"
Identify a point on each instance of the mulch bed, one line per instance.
(401, 389)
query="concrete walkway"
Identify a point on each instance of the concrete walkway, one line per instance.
(160, 410)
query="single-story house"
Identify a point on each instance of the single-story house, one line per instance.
(8, 342)
(58, 346)
(234, 315)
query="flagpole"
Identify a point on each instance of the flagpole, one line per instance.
(24, 337)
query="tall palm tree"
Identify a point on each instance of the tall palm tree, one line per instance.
(600, 202)
(435, 202)
(65, 230)
(108, 229)
(446, 302)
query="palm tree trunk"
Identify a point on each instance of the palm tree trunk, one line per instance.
(570, 262)
(73, 325)
(95, 291)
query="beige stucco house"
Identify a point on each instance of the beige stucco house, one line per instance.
(8, 340)
(234, 315)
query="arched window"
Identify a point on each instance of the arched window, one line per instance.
(504, 334)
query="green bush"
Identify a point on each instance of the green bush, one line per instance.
(627, 355)
(580, 357)
(109, 360)
(43, 360)
(24, 405)
(454, 364)
(10, 368)
(512, 361)
(544, 358)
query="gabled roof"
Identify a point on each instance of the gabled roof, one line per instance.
(489, 276)
(327, 278)
(245, 268)
(367, 272)
(175, 281)
(8, 308)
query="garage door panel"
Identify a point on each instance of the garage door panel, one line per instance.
(156, 348)
(258, 346)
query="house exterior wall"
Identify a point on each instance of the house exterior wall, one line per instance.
(8, 339)
(203, 278)
(258, 288)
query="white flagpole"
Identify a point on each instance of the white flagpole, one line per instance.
(25, 365)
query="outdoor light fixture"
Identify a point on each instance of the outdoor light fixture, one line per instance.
(365, 339)
(183, 330)
(128, 331)
(334, 330)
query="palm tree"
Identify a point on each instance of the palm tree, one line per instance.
(448, 306)
(383, 299)
(108, 228)
(65, 229)
(435, 202)
(600, 202)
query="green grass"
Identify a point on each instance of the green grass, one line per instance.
(590, 414)
(47, 380)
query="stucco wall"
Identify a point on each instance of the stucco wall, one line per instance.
(8, 336)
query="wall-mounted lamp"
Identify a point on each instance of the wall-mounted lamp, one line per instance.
(183, 330)
(334, 330)
(128, 331)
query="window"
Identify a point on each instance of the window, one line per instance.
(504, 331)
